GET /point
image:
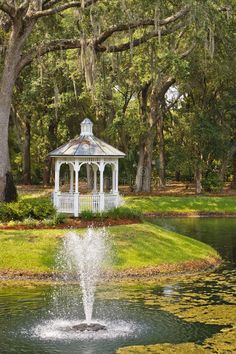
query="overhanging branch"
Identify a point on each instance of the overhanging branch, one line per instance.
(138, 41)
(60, 44)
(54, 10)
(143, 23)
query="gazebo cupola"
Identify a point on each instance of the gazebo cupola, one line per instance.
(86, 127)
(86, 149)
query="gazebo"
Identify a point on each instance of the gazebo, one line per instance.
(86, 149)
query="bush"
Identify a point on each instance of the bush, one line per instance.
(123, 213)
(5, 212)
(30, 222)
(27, 209)
(42, 208)
(116, 213)
(212, 183)
(59, 218)
(87, 215)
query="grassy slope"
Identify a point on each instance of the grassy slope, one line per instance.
(148, 245)
(28, 250)
(136, 246)
(181, 204)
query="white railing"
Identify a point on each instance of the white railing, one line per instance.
(89, 202)
(65, 202)
(110, 201)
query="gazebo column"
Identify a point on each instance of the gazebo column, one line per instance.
(71, 178)
(76, 194)
(116, 177)
(57, 184)
(101, 192)
(95, 168)
(115, 183)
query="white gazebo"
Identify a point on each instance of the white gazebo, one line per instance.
(86, 149)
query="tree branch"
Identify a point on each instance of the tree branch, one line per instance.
(54, 10)
(47, 4)
(143, 23)
(36, 52)
(136, 42)
(7, 8)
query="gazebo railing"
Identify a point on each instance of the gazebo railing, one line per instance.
(89, 202)
(110, 201)
(65, 202)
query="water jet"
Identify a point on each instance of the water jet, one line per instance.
(83, 257)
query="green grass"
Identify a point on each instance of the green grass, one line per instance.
(181, 204)
(28, 250)
(135, 246)
(143, 245)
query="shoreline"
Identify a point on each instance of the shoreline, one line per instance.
(187, 268)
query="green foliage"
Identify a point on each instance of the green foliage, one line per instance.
(38, 209)
(122, 213)
(87, 215)
(59, 218)
(212, 183)
(116, 213)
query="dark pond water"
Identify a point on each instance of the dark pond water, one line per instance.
(32, 318)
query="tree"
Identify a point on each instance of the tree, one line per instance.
(19, 19)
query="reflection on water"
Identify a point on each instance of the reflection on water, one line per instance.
(193, 315)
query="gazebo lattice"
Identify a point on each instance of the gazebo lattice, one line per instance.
(86, 149)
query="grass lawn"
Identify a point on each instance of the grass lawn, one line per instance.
(181, 204)
(135, 246)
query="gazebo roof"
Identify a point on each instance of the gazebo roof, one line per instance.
(86, 145)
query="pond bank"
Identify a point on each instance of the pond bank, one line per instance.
(161, 271)
(138, 250)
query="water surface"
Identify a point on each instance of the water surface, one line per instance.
(176, 311)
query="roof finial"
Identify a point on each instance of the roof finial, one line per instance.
(86, 127)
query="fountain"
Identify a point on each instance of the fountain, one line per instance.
(83, 256)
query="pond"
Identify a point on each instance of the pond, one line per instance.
(198, 310)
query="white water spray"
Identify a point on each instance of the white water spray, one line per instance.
(84, 255)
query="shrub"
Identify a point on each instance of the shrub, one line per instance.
(212, 183)
(116, 213)
(5, 212)
(30, 222)
(33, 208)
(42, 208)
(87, 215)
(59, 218)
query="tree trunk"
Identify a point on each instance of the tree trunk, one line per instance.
(47, 171)
(52, 142)
(143, 174)
(177, 175)
(198, 179)
(161, 146)
(140, 168)
(26, 154)
(11, 69)
(233, 184)
(147, 165)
